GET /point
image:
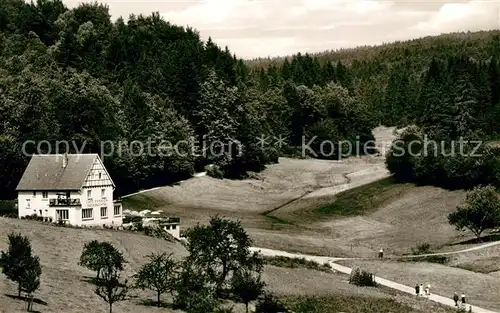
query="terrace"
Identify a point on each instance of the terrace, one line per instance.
(64, 202)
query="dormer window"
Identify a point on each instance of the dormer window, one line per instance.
(100, 175)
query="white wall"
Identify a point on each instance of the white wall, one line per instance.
(176, 232)
(30, 203)
(97, 180)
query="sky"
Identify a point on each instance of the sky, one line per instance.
(262, 28)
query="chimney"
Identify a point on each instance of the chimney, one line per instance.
(65, 160)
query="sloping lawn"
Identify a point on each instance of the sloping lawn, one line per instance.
(365, 198)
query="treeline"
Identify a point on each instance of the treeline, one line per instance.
(396, 83)
(75, 75)
(456, 113)
(445, 87)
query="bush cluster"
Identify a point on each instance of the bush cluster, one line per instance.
(362, 278)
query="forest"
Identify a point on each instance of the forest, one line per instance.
(76, 75)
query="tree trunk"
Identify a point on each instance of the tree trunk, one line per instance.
(110, 307)
(159, 299)
(30, 304)
(19, 290)
(246, 306)
(97, 276)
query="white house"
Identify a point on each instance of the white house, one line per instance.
(74, 188)
(171, 225)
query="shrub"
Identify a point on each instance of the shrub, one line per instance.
(273, 155)
(8, 209)
(269, 304)
(282, 261)
(362, 278)
(425, 248)
(131, 219)
(158, 232)
(214, 171)
(138, 226)
(32, 217)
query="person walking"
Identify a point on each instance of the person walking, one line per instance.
(463, 299)
(427, 290)
(455, 298)
(421, 290)
(417, 290)
(381, 253)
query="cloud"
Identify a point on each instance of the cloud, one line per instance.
(252, 28)
(473, 15)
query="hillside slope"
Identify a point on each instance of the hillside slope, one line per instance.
(64, 287)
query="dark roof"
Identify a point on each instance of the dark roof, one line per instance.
(46, 172)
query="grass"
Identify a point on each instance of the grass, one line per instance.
(484, 261)
(365, 198)
(287, 262)
(141, 202)
(485, 266)
(304, 206)
(482, 290)
(65, 287)
(358, 304)
(425, 248)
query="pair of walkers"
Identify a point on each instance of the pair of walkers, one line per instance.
(456, 299)
(421, 291)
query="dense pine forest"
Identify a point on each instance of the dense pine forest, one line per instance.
(77, 76)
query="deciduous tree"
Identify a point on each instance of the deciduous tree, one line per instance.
(14, 260)
(480, 212)
(98, 255)
(159, 274)
(110, 287)
(246, 286)
(219, 249)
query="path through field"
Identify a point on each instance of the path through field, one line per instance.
(384, 282)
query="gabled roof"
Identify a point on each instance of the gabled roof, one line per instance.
(46, 172)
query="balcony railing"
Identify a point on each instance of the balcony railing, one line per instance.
(64, 202)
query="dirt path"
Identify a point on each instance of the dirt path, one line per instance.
(411, 290)
(324, 259)
(379, 280)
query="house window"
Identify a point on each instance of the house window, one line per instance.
(117, 210)
(40, 212)
(103, 193)
(34, 194)
(45, 194)
(174, 226)
(62, 215)
(104, 212)
(89, 194)
(87, 214)
(100, 175)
